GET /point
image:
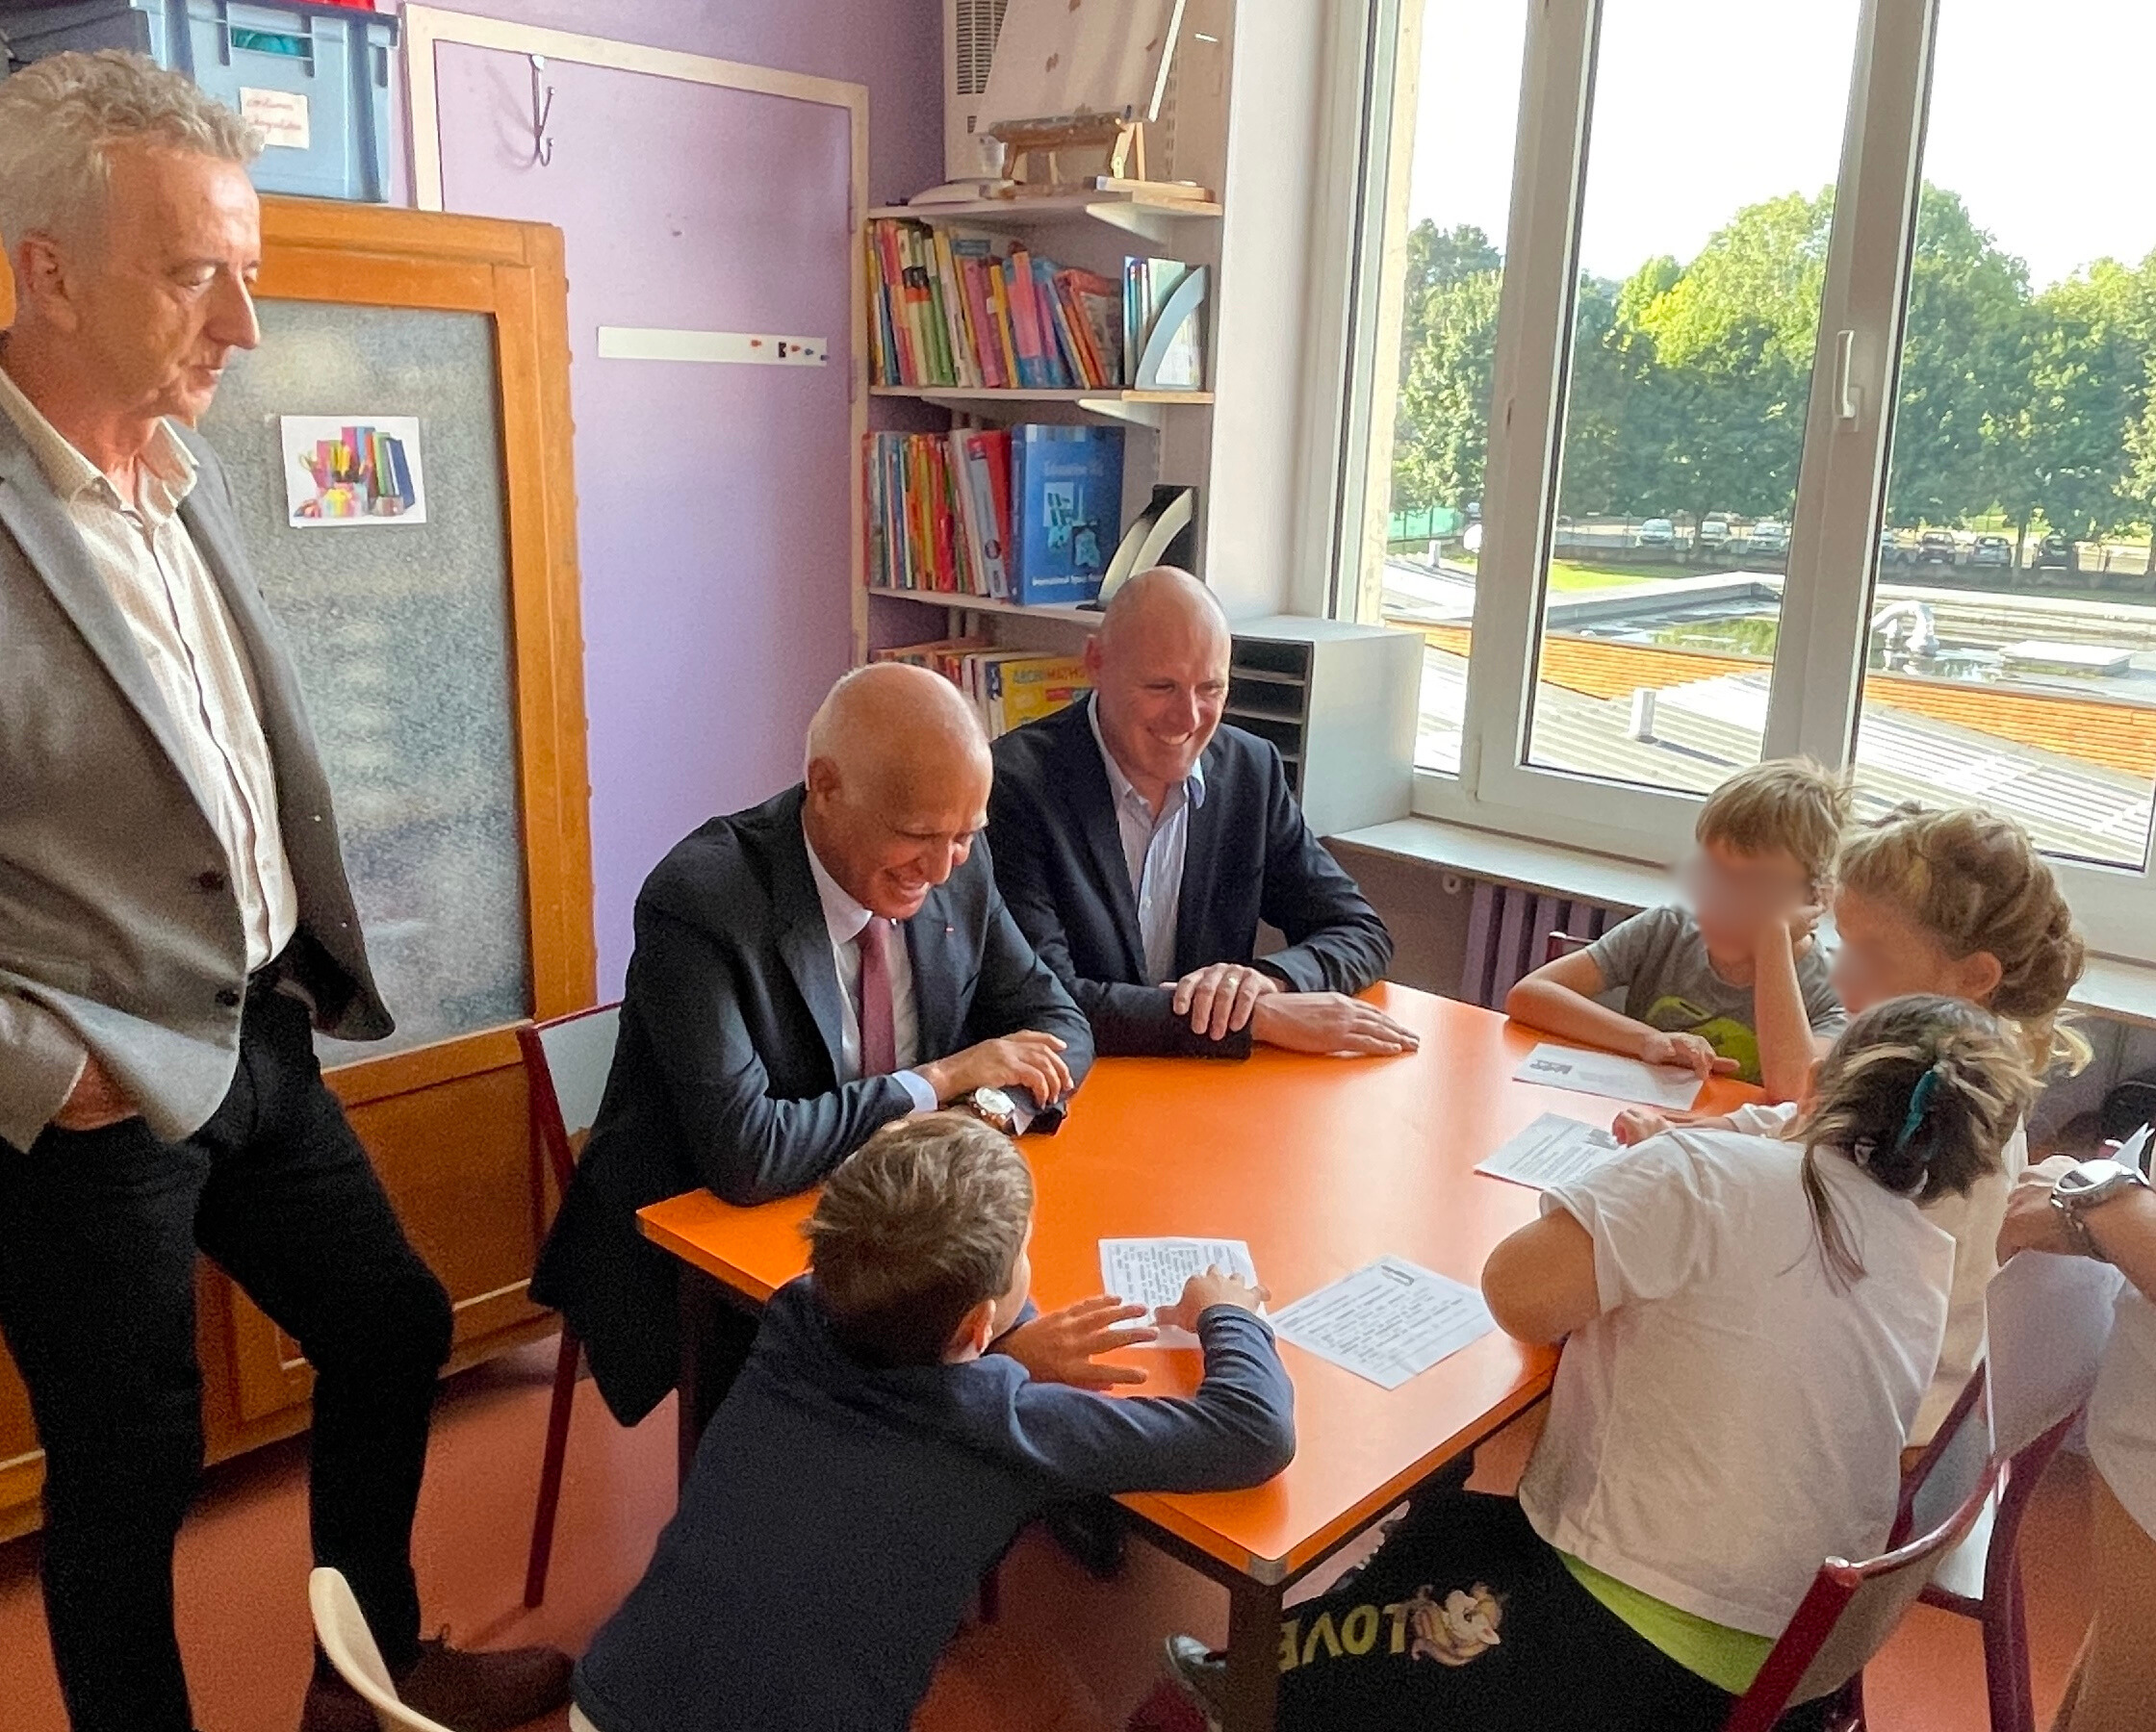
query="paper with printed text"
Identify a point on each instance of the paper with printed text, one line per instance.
(1610, 1074)
(1388, 1321)
(1151, 1272)
(1551, 1151)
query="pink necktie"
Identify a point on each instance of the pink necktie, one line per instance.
(879, 1038)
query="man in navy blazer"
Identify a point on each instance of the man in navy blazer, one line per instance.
(804, 972)
(1138, 843)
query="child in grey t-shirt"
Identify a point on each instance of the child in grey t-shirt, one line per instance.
(1734, 984)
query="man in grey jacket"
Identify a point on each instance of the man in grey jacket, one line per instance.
(174, 917)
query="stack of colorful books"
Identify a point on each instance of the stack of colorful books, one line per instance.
(1009, 687)
(952, 311)
(1027, 513)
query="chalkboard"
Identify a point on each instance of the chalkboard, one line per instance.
(403, 636)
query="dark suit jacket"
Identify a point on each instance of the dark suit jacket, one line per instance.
(1059, 859)
(726, 1073)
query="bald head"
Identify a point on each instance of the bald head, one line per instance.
(897, 776)
(1159, 665)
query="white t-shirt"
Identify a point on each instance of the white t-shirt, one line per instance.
(1974, 1222)
(1732, 1417)
(2122, 1411)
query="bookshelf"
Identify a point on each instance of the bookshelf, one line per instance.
(1169, 433)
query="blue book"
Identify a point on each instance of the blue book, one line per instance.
(1067, 504)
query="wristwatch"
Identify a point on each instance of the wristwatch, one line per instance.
(991, 1106)
(2082, 1187)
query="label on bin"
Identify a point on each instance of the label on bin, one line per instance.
(279, 115)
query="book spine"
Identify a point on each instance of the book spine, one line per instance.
(998, 442)
(978, 491)
(917, 310)
(897, 305)
(1070, 329)
(1062, 371)
(1019, 286)
(986, 336)
(950, 304)
(1005, 333)
(878, 324)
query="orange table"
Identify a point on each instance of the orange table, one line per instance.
(1323, 1164)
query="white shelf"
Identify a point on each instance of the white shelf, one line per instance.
(1084, 617)
(1152, 217)
(1143, 408)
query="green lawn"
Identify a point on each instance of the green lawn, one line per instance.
(1572, 575)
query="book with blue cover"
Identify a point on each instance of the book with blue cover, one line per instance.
(1066, 499)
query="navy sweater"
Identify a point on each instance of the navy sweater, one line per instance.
(837, 1519)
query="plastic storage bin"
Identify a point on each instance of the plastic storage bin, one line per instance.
(313, 78)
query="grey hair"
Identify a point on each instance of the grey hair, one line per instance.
(61, 117)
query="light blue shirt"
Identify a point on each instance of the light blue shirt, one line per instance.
(1154, 848)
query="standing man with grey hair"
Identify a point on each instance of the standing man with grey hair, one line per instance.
(173, 915)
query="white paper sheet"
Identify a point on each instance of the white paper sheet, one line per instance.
(1550, 1151)
(1387, 1321)
(1151, 1272)
(1610, 1074)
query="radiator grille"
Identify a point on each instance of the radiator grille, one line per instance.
(1509, 932)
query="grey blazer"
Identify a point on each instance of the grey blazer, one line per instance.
(119, 933)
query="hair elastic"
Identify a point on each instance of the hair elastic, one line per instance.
(1919, 1102)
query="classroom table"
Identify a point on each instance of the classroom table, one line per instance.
(1323, 1165)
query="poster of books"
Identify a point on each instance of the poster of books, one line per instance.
(352, 471)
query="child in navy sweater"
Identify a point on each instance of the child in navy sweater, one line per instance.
(874, 1458)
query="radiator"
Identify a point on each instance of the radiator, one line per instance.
(1509, 934)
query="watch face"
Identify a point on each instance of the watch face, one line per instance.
(994, 1101)
(2091, 1176)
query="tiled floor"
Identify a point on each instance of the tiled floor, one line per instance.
(1068, 1654)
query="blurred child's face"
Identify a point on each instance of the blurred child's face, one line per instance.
(1735, 894)
(1885, 954)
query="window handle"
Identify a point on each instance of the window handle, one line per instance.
(1849, 395)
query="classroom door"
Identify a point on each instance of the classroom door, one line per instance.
(714, 501)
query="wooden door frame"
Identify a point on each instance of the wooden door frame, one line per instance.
(422, 27)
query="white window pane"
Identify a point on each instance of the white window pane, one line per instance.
(1431, 416)
(1713, 145)
(2012, 649)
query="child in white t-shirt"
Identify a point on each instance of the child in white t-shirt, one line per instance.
(1956, 903)
(1749, 1338)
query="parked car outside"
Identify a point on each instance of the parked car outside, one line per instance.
(1936, 547)
(1770, 535)
(2055, 553)
(1992, 551)
(1657, 532)
(1714, 532)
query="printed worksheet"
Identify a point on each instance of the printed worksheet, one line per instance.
(1611, 1074)
(1551, 1151)
(1151, 1272)
(1387, 1321)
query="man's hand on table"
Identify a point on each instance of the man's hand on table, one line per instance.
(1064, 1346)
(1328, 1022)
(1218, 999)
(1028, 1059)
(95, 1101)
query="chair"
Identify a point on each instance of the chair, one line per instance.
(1852, 1609)
(341, 1627)
(2048, 1319)
(1562, 944)
(566, 1061)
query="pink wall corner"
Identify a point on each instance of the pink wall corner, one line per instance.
(669, 743)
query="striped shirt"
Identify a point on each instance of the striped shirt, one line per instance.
(156, 575)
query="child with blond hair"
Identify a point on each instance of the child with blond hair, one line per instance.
(1959, 902)
(1729, 982)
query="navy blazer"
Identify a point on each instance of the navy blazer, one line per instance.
(1059, 859)
(726, 1072)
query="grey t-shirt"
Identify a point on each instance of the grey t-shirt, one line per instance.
(1660, 958)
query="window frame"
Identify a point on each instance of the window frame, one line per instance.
(1817, 689)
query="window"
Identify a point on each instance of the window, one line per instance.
(1750, 380)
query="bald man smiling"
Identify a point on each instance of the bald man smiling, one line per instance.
(1139, 843)
(805, 972)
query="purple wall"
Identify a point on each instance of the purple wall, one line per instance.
(711, 628)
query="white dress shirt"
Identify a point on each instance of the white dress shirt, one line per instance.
(1154, 848)
(156, 575)
(845, 920)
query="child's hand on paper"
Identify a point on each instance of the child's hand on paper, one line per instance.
(1636, 1123)
(1685, 1052)
(1064, 1346)
(1201, 1292)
